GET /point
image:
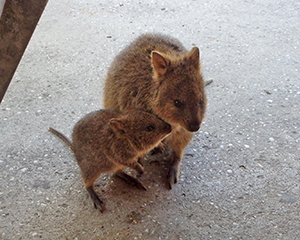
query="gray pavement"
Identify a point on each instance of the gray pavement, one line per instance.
(240, 175)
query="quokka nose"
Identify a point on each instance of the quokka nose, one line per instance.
(168, 127)
(194, 126)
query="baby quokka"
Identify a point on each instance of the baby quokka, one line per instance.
(108, 141)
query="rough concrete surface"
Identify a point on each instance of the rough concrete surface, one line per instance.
(239, 176)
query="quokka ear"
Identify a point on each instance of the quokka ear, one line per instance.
(117, 126)
(194, 55)
(159, 63)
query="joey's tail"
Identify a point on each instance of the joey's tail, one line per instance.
(62, 137)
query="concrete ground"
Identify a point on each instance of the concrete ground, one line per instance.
(240, 176)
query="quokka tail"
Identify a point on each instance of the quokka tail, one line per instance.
(62, 137)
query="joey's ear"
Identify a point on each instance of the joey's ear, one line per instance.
(194, 55)
(117, 125)
(160, 63)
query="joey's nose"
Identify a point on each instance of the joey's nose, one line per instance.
(168, 128)
(194, 126)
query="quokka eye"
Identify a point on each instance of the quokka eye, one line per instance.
(150, 128)
(178, 103)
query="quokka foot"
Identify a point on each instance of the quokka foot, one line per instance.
(130, 180)
(98, 203)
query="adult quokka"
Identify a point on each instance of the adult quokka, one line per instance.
(155, 73)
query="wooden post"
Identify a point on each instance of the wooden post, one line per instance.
(18, 21)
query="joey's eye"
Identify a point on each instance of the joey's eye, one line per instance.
(150, 128)
(201, 102)
(178, 103)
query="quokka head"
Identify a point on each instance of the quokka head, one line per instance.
(180, 98)
(144, 130)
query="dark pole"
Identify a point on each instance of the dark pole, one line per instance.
(18, 21)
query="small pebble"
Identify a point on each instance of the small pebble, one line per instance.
(288, 198)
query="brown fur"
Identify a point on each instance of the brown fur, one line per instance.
(108, 141)
(157, 74)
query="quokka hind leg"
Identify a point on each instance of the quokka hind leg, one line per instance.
(98, 203)
(177, 141)
(130, 180)
(89, 179)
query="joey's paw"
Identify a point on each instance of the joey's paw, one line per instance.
(141, 170)
(156, 150)
(172, 177)
(139, 160)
